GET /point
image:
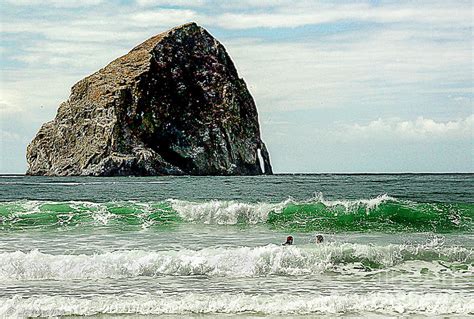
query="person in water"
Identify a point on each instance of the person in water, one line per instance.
(319, 239)
(289, 241)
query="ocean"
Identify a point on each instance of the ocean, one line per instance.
(211, 247)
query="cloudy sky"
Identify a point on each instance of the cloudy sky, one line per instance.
(341, 86)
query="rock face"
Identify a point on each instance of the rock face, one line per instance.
(173, 105)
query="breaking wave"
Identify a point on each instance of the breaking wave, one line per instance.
(235, 262)
(383, 213)
(226, 303)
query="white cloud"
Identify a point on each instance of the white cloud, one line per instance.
(7, 107)
(9, 136)
(56, 3)
(385, 66)
(163, 17)
(35, 95)
(311, 12)
(177, 3)
(101, 27)
(418, 129)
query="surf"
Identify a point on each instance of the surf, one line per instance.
(240, 262)
(240, 303)
(382, 213)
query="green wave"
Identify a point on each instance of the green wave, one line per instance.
(384, 214)
(34, 214)
(388, 216)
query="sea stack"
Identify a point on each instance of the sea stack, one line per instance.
(173, 105)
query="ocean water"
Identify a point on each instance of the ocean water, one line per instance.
(210, 247)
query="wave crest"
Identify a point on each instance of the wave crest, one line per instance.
(232, 262)
(382, 213)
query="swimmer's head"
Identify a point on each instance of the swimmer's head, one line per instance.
(289, 240)
(319, 239)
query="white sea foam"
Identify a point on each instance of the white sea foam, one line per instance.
(225, 303)
(349, 204)
(230, 262)
(225, 212)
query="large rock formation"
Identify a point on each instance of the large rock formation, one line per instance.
(172, 105)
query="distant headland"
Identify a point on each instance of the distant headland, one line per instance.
(173, 105)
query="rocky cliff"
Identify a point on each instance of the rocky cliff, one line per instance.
(173, 105)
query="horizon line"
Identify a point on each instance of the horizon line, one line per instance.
(282, 174)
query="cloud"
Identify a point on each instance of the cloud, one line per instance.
(383, 67)
(163, 16)
(380, 66)
(285, 14)
(9, 136)
(415, 130)
(176, 3)
(56, 3)
(8, 108)
(333, 70)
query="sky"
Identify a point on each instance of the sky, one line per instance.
(340, 86)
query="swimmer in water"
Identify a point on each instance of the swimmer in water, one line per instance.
(289, 241)
(319, 239)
